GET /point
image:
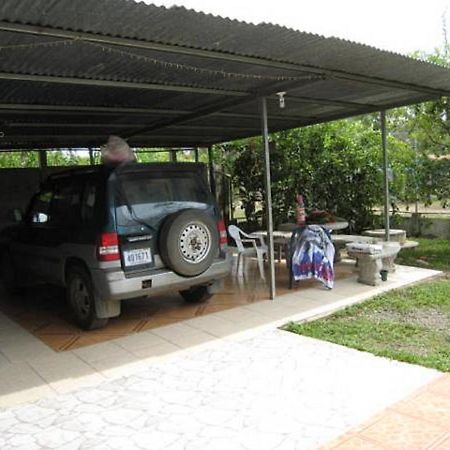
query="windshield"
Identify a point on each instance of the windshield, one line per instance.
(150, 197)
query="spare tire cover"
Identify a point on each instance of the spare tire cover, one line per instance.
(188, 242)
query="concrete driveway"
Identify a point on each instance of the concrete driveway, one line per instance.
(227, 380)
(275, 390)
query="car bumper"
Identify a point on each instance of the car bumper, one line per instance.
(114, 285)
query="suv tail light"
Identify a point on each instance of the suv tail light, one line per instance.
(223, 238)
(108, 247)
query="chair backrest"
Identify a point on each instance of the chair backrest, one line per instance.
(287, 226)
(235, 233)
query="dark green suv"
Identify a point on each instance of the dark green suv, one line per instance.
(112, 233)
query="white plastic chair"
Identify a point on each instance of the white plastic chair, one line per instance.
(258, 251)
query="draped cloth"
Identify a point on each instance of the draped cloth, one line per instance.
(313, 256)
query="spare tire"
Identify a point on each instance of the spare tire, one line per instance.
(188, 242)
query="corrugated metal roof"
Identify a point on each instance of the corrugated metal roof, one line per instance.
(171, 76)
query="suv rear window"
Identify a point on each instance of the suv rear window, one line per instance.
(153, 196)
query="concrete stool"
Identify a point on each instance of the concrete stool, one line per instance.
(340, 241)
(390, 252)
(370, 264)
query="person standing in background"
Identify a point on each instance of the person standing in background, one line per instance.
(117, 151)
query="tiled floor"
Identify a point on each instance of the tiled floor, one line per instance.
(43, 312)
(420, 421)
(30, 369)
(273, 391)
(91, 387)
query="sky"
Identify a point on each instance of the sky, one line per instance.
(401, 26)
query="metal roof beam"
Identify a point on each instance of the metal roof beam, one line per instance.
(138, 151)
(79, 109)
(57, 146)
(329, 102)
(119, 84)
(101, 138)
(258, 118)
(120, 125)
(23, 108)
(69, 125)
(253, 60)
(218, 105)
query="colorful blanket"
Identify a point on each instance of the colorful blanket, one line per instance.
(313, 256)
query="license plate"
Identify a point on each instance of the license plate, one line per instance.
(137, 256)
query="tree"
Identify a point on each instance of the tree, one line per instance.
(335, 165)
(19, 159)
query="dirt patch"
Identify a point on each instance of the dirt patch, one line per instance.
(431, 318)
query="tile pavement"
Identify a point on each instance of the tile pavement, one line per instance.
(231, 348)
(29, 369)
(419, 421)
(43, 312)
(273, 390)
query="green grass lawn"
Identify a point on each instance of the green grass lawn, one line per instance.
(430, 254)
(411, 325)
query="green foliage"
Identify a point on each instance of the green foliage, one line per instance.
(66, 158)
(427, 126)
(153, 156)
(159, 155)
(19, 159)
(29, 158)
(335, 165)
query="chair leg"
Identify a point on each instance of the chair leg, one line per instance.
(259, 257)
(238, 263)
(289, 267)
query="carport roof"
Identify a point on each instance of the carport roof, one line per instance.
(74, 71)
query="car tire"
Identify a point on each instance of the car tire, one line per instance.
(196, 294)
(81, 299)
(188, 242)
(9, 274)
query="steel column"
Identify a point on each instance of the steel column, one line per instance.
(386, 175)
(42, 164)
(196, 154)
(91, 157)
(212, 181)
(268, 189)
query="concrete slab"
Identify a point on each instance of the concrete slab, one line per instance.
(123, 355)
(275, 390)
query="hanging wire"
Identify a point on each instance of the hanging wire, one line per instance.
(37, 44)
(186, 67)
(158, 62)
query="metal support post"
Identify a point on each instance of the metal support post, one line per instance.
(43, 159)
(212, 181)
(91, 157)
(386, 175)
(196, 154)
(173, 156)
(43, 164)
(268, 189)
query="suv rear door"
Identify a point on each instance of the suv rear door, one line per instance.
(144, 196)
